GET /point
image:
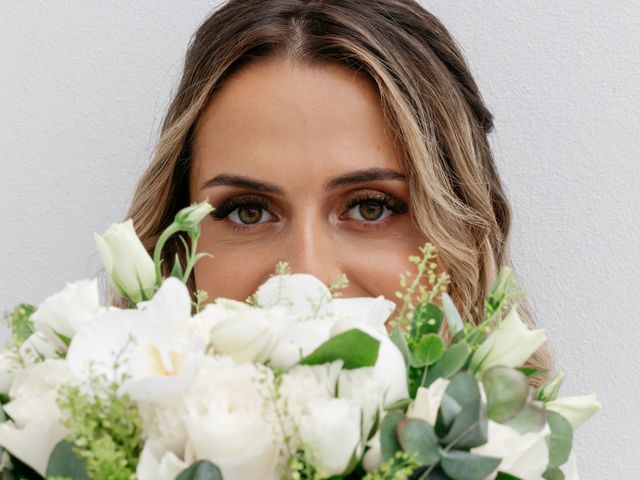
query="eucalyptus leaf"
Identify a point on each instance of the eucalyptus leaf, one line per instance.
(461, 465)
(469, 427)
(553, 474)
(64, 462)
(201, 470)
(454, 321)
(397, 337)
(427, 351)
(507, 390)
(561, 439)
(389, 443)
(418, 438)
(354, 347)
(452, 360)
(532, 418)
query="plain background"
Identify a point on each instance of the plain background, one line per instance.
(84, 85)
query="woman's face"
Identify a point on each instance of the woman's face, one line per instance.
(300, 168)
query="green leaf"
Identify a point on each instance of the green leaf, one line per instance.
(461, 465)
(553, 474)
(418, 438)
(201, 470)
(389, 443)
(64, 462)
(177, 270)
(20, 322)
(531, 418)
(398, 404)
(561, 439)
(454, 321)
(354, 347)
(427, 318)
(532, 372)
(506, 476)
(452, 360)
(397, 337)
(428, 350)
(470, 425)
(507, 391)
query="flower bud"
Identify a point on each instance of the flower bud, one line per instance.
(190, 217)
(129, 266)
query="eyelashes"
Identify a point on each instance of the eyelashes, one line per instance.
(259, 207)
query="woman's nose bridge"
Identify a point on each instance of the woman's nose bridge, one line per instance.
(311, 249)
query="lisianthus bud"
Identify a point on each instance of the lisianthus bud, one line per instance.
(129, 266)
(190, 217)
(511, 344)
(549, 391)
(576, 409)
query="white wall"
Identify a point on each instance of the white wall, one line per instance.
(83, 86)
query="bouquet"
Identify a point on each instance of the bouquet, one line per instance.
(294, 382)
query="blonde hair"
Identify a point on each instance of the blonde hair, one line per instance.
(430, 101)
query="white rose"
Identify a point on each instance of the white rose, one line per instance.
(372, 458)
(576, 410)
(35, 426)
(298, 339)
(158, 463)
(246, 333)
(126, 261)
(510, 344)
(330, 430)
(303, 295)
(65, 312)
(364, 388)
(523, 455)
(303, 383)
(228, 420)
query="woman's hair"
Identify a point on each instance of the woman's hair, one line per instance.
(429, 98)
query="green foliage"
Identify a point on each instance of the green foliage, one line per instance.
(415, 289)
(19, 321)
(507, 391)
(64, 462)
(560, 441)
(201, 470)
(354, 347)
(400, 466)
(106, 429)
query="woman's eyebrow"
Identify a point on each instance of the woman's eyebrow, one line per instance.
(351, 178)
(242, 182)
(362, 176)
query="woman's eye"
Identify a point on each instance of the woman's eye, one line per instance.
(369, 211)
(249, 215)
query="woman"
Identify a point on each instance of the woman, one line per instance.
(338, 135)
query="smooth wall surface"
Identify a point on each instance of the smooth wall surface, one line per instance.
(84, 84)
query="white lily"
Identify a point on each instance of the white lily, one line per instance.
(145, 349)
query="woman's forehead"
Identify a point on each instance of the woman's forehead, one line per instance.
(274, 120)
